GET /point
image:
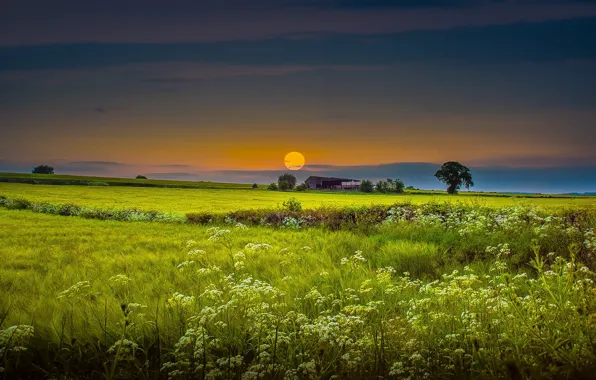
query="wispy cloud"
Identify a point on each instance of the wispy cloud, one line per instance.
(153, 23)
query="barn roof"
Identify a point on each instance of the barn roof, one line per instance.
(314, 177)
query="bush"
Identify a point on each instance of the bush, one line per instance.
(43, 169)
(302, 187)
(284, 185)
(390, 186)
(293, 204)
(255, 186)
(289, 178)
(272, 186)
(140, 177)
(366, 186)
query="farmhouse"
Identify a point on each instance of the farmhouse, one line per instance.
(332, 183)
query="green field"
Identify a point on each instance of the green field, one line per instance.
(501, 288)
(62, 179)
(182, 201)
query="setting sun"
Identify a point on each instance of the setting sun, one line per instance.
(294, 160)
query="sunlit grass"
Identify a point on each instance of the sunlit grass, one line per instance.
(182, 201)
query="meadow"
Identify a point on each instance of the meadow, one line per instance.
(182, 201)
(442, 288)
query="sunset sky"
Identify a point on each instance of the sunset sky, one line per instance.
(223, 89)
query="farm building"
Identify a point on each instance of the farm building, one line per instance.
(332, 183)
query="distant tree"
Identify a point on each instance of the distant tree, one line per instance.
(272, 186)
(366, 186)
(411, 188)
(289, 178)
(398, 186)
(382, 187)
(390, 186)
(43, 169)
(255, 186)
(302, 187)
(284, 185)
(455, 175)
(140, 177)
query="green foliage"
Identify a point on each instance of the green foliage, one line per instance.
(43, 169)
(293, 204)
(96, 183)
(302, 187)
(289, 178)
(272, 186)
(140, 177)
(455, 175)
(366, 186)
(390, 186)
(284, 185)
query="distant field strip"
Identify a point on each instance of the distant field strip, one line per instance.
(183, 201)
(72, 180)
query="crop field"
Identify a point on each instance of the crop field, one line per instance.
(182, 201)
(443, 287)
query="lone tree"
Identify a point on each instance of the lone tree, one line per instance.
(289, 178)
(455, 175)
(366, 186)
(141, 177)
(43, 169)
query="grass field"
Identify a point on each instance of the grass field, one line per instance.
(438, 292)
(182, 201)
(61, 179)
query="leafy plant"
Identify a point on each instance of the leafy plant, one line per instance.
(289, 178)
(366, 186)
(43, 169)
(293, 204)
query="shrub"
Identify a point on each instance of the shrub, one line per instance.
(284, 185)
(289, 178)
(293, 204)
(255, 186)
(272, 186)
(302, 187)
(43, 169)
(366, 186)
(140, 177)
(390, 186)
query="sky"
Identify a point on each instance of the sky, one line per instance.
(223, 89)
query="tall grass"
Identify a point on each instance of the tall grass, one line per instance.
(431, 292)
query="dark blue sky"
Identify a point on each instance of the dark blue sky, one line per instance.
(229, 85)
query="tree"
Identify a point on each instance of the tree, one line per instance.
(390, 186)
(272, 186)
(382, 187)
(398, 186)
(366, 186)
(289, 178)
(255, 186)
(43, 169)
(141, 177)
(455, 175)
(302, 187)
(284, 185)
